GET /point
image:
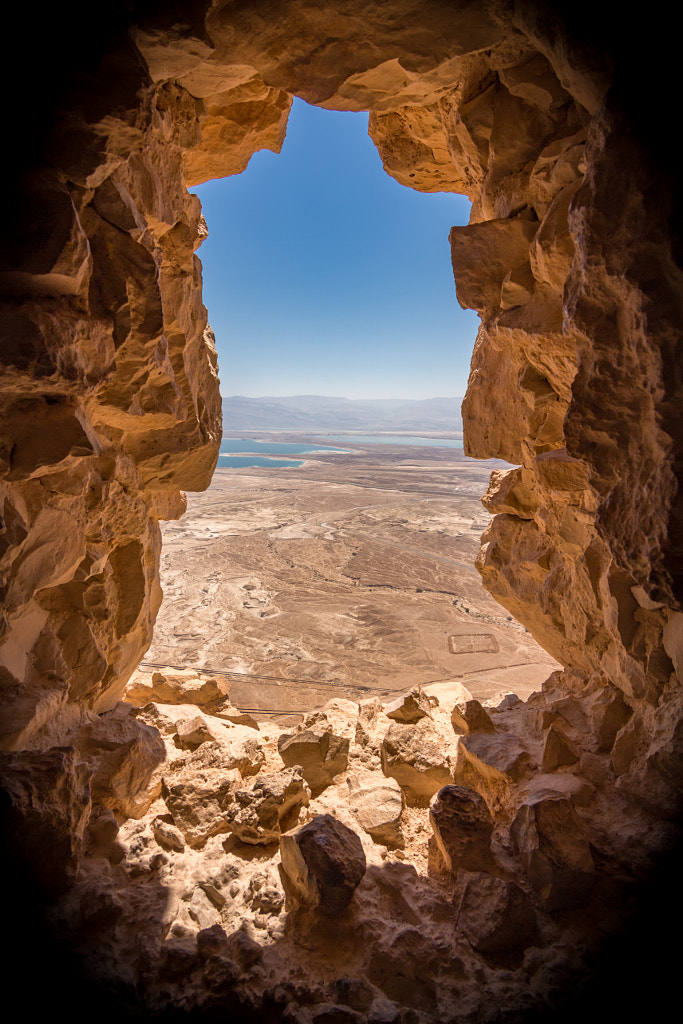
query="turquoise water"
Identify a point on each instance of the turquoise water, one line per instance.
(245, 461)
(232, 445)
(423, 442)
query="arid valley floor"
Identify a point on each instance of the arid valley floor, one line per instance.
(350, 576)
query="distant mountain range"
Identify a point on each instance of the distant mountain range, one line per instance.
(320, 412)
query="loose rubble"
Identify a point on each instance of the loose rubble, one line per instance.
(393, 889)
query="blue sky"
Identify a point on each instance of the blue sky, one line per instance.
(323, 275)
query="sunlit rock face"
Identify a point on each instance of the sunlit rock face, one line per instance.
(110, 405)
(111, 408)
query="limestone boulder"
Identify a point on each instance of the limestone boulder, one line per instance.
(558, 784)
(483, 256)
(417, 757)
(101, 833)
(491, 762)
(176, 686)
(244, 949)
(410, 708)
(166, 833)
(323, 863)
(269, 807)
(321, 743)
(185, 727)
(198, 799)
(496, 915)
(555, 852)
(471, 716)
(463, 827)
(377, 804)
(124, 754)
(370, 728)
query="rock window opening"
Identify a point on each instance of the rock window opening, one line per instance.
(321, 272)
(554, 816)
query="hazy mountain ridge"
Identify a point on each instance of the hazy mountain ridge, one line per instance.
(320, 412)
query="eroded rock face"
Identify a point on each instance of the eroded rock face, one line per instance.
(321, 743)
(110, 407)
(269, 807)
(463, 827)
(324, 862)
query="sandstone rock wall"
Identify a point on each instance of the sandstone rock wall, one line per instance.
(109, 383)
(110, 402)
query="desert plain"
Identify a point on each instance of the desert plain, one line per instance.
(350, 576)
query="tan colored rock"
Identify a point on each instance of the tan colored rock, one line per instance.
(370, 724)
(470, 716)
(179, 686)
(495, 248)
(233, 126)
(167, 835)
(235, 746)
(377, 803)
(124, 755)
(46, 807)
(417, 757)
(198, 800)
(489, 763)
(558, 751)
(111, 406)
(559, 784)
(324, 863)
(192, 732)
(411, 708)
(244, 949)
(321, 743)
(269, 807)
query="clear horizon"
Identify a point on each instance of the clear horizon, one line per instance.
(370, 398)
(324, 276)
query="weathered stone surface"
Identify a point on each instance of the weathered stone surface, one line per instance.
(411, 708)
(235, 746)
(324, 1013)
(370, 725)
(245, 950)
(559, 784)
(463, 827)
(192, 732)
(324, 863)
(557, 858)
(269, 807)
(100, 835)
(45, 810)
(111, 402)
(124, 754)
(321, 743)
(167, 835)
(490, 760)
(416, 756)
(558, 751)
(378, 805)
(179, 686)
(198, 801)
(470, 716)
(496, 916)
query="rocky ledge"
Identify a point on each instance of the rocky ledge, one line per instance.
(433, 859)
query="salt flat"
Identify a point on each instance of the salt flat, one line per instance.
(350, 575)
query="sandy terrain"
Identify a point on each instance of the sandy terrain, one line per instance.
(352, 574)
